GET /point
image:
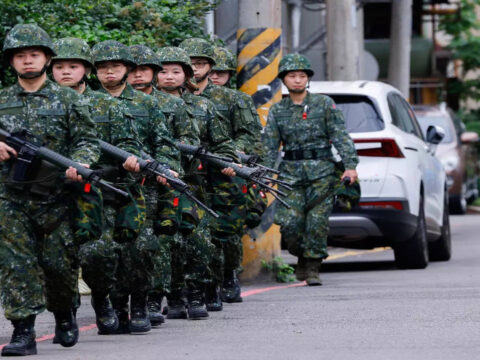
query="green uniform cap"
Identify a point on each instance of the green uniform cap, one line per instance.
(73, 49)
(294, 62)
(176, 55)
(224, 59)
(111, 50)
(196, 47)
(144, 56)
(27, 35)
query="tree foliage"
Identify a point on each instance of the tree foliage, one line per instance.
(464, 29)
(154, 23)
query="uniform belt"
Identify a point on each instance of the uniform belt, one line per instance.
(314, 154)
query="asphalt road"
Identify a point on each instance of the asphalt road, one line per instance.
(367, 309)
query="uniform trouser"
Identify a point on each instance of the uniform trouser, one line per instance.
(191, 256)
(136, 264)
(162, 276)
(38, 265)
(304, 227)
(256, 205)
(228, 199)
(137, 257)
(122, 220)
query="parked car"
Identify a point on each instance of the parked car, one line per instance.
(404, 192)
(457, 152)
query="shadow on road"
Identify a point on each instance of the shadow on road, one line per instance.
(345, 266)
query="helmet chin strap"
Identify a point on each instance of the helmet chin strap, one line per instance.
(120, 82)
(297, 91)
(142, 85)
(171, 88)
(33, 74)
(78, 84)
(202, 78)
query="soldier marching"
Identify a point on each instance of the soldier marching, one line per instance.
(148, 240)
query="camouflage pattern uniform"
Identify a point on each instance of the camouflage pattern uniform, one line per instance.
(114, 125)
(256, 201)
(306, 131)
(137, 270)
(37, 251)
(229, 198)
(190, 261)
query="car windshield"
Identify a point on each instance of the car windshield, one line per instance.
(426, 120)
(359, 113)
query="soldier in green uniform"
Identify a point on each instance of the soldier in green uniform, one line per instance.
(70, 67)
(306, 124)
(192, 270)
(221, 74)
(136, 271)
(230, 194)
(36, 238)
(183, 128)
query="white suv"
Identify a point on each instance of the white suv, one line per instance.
(404, 203)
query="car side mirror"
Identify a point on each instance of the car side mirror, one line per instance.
(435, 134)
(469, 137)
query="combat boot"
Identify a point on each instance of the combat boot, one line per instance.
(106, 318)
(301, 269)
(66, 328)
(312, 267)
(212, 298)
(120, 306)
(154, 306)
(231, 292)
(176, 306)
(196, 305)
(23, 339)
(55, 338)
(139, 321)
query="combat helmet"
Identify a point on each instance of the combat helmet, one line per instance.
(144, 56)
(294, 62)
(111, 50)
(176, 55)
(73, 49)
(224, 59)
(27, 35)
(196, 47)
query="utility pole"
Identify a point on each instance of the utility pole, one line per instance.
(259, 52)
(400, 45)
(343, 55)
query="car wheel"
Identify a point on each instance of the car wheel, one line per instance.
(458, 202)
(441, 249)
(413, 253)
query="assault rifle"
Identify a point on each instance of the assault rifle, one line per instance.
(257, 175)
(252, 161)
(153, 167)
(27, 151)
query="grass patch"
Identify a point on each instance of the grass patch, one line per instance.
(281, 271)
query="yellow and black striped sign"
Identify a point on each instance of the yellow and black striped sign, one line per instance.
(259, 52)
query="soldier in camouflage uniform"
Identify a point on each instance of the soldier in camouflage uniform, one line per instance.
(98, 257)
(305, 124)
(136, 272)
(223, 71)
(37, 247)
(183, 128)
(230, 193)
(192, 270)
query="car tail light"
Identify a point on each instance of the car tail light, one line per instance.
(394, 205)
(378, 147)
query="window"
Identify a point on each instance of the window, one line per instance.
(359, 113)
(413, 123)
